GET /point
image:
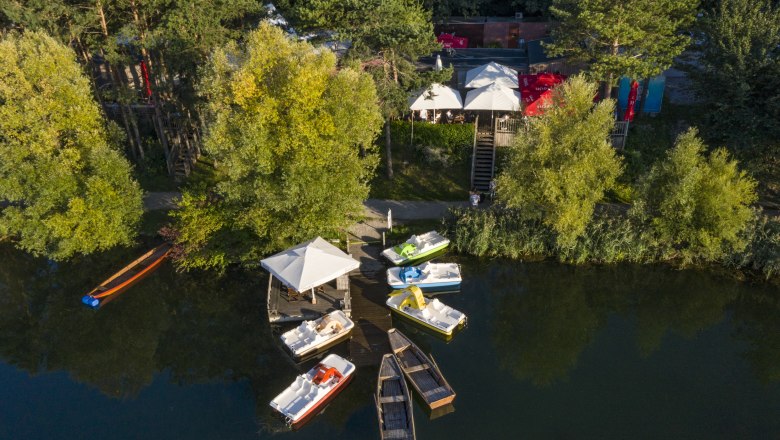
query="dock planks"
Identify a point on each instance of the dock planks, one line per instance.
(369, 292)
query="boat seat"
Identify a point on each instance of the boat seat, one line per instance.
(434, 391)
(395, 433)
(391, 399)
(420, 367)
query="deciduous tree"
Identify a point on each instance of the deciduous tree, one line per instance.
(64, 186)
(637, 38)
(696, 206)
(738, 72)
(562, 165)
(286, 128)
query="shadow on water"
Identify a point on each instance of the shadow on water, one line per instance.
(529, 324)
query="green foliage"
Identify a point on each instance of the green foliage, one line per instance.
(69, 189)
(738, 72)
(455, 141)
(561, 166)
(286, 130)
(696, 207)
(638, 39)
(507, 233)
(762, 253)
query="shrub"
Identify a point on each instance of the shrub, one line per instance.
(450, 143)
(697, 207)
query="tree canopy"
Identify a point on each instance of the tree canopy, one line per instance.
(562, 165)
(638, 39)
(66, 187)
(738, 72)
(697, 207)
(286, 129)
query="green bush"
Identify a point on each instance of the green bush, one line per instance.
(451, 141)
(762, 254)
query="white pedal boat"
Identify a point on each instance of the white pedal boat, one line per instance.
(312, 337)
(432, 314)
(312, 391)
(416, 248)
(426, 275)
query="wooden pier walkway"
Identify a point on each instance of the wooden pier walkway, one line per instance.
(369, 291)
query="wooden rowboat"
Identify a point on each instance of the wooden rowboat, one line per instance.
(129, 275)
(421, 370)
(393, 402)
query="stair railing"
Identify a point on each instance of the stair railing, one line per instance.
(474, 151)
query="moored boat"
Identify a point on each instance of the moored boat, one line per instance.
(128, 276)
(425, 276)
(433, 314)
(393, 402)
(312, 391)
(312, 337)
(421, 370)
(416, 248)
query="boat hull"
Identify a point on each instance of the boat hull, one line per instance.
(314, 351)
(316, 409)
(428, 326)
(426, 285)
(418, 258)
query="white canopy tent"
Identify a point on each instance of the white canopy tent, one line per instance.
(491, 72)
(436, 97)
(309, 265)
(494, 97)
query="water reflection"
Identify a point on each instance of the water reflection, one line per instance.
(536, 320)
(546, 315)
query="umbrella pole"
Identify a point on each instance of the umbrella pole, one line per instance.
(313, 297)
(412, 139)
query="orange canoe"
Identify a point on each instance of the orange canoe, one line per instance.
(126, 277)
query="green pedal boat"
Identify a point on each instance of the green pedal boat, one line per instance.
(417, 248)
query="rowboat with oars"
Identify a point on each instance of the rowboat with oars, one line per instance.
(313, 390)
(421, 370)
(393, 402)
(416, 248)
(129, 275)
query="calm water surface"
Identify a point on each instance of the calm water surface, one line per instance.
(550, 351)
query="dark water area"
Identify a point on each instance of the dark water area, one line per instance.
(550, 351)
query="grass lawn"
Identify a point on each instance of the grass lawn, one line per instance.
(414, 178)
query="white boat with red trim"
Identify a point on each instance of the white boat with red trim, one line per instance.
(312, 391)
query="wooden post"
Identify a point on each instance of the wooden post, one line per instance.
(390, 220)
(270, 280)
(383, 239)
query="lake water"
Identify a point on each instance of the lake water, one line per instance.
(550, 351)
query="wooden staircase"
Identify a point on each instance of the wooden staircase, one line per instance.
(483, 159)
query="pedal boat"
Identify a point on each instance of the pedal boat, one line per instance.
(426, 275)
(416, 248)
(433, 314)
(312, 337)
(313, 390)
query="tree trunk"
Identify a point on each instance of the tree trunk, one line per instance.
(388, 150)
(607, 92)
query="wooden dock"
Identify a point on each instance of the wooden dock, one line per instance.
(284, 308)
(368, 293)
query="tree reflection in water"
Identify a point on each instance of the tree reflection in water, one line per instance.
(547, 314)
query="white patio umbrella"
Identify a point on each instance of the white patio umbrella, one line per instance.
(438, 66)
(491, 72)
(493, 97)
(309, 265)
(435, 97)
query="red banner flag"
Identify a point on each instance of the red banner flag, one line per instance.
(629, 116)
